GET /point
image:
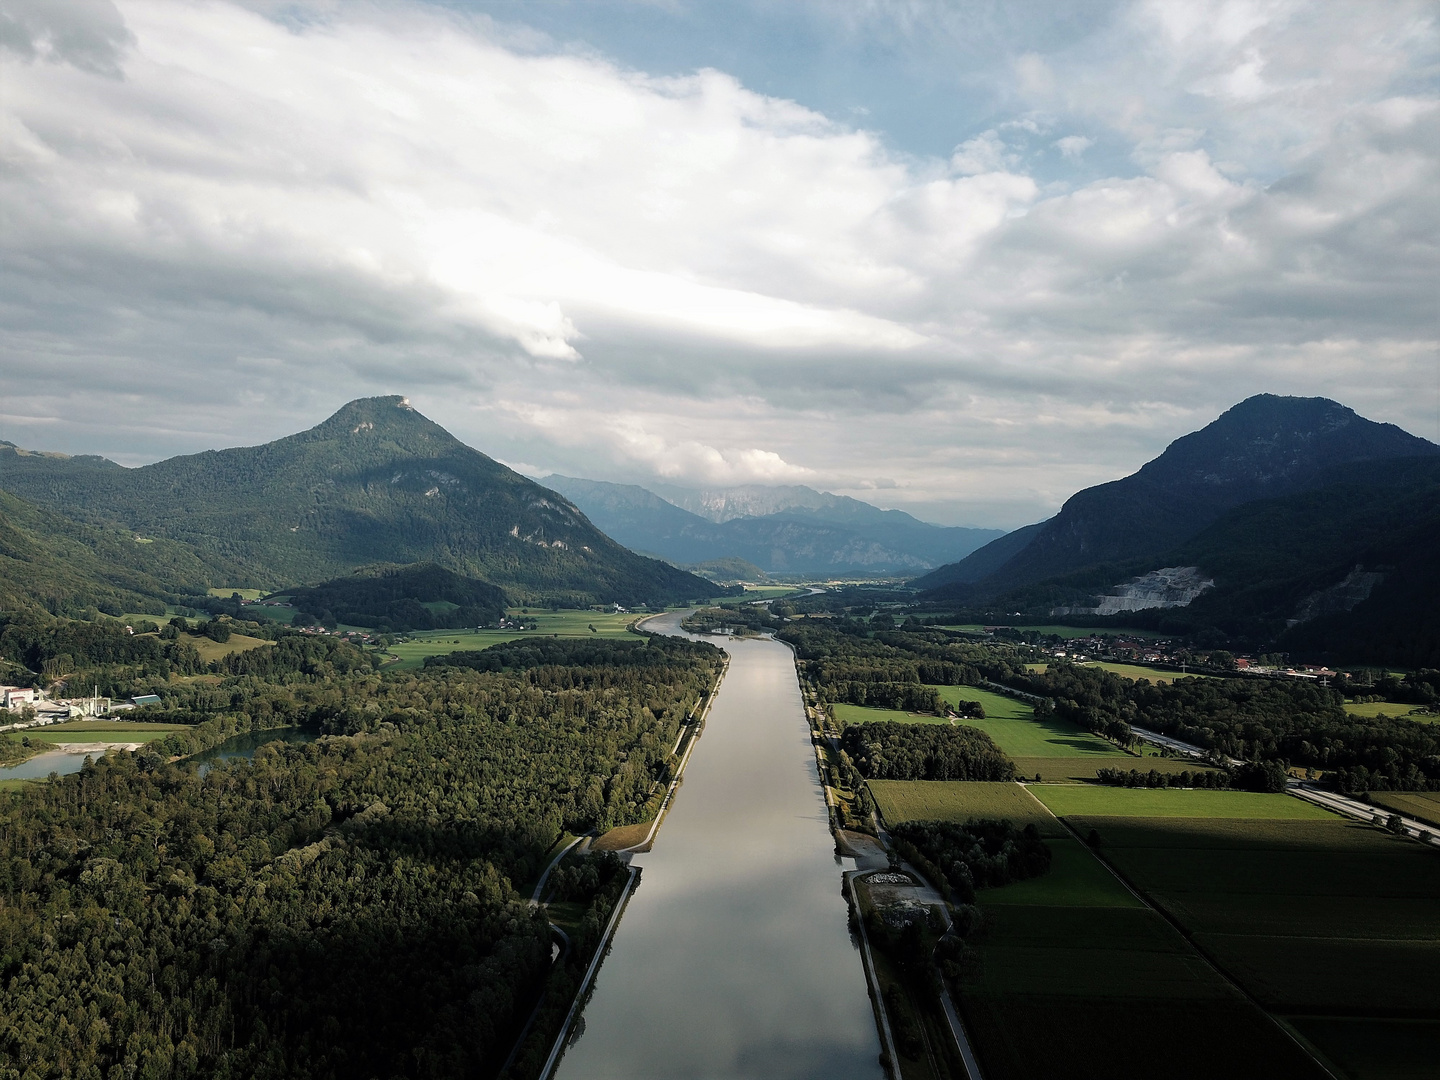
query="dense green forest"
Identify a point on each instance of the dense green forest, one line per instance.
(890, 751)
(401, 599)
(343, 908)
(1297, 723)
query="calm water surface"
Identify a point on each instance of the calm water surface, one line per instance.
(244, 746)
(734, 957)
(42, 765)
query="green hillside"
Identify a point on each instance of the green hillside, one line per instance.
(52, 563)
(377, 482)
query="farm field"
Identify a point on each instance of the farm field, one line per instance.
(1143, 671)
(1316, 916)
(79, 731)
(1093, 801)
(1075, 977)
(569, 624)
(1414, 804)
(960, 800)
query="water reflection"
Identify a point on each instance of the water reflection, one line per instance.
(40, 766)
(244, 746)
(734, 956)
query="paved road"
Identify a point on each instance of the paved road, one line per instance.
(1343, 804)
(1188, 749)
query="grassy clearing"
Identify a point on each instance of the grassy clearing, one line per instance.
(1091, 800)
(1076, 879)
(623, 837)
(214, 650)
(1415, 804)
(1372, 709)
(1143, 671)
(997, 706)
(960, 800)
(566, 624)
(1052, 738)
(245, 594)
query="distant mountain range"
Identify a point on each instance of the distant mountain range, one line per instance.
(375, 483)
(781, 530)
(1287, 521)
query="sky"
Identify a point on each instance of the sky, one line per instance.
(963, 259)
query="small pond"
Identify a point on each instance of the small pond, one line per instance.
(42, 765)
(244, 746)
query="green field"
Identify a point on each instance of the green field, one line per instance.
(245, 594)
(1075, 977)
(566, 624)
(79, 731)
(1312, 916)
(960, 800)
(1372, 709)
(1414, 804)
(1092, 800)
(997, 706)
(1143, 671)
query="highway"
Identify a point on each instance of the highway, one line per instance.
(1302, 789)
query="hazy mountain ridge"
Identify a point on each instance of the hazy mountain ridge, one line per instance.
(827, 534)
(376, 482)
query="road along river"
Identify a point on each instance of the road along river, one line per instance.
(734, 957)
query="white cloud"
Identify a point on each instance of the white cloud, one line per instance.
(597, 270)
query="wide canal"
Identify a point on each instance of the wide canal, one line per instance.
(734, 957)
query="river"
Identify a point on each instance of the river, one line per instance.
(734, 957)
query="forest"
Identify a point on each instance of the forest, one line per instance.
(348, 907)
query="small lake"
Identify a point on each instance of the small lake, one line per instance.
(734, 958)
(42, 765)
(243, 747)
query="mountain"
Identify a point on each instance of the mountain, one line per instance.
(832, 535)
(52, 563)
(375, 483)
(1346, 572)
(982, 562)
(1265, 447)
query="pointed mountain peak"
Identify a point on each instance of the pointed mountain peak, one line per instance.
(391, 417)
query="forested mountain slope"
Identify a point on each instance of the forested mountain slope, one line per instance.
(377, 482)
(50, 562)
(1264, 447)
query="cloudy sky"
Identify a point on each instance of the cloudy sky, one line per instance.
(962, 258)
